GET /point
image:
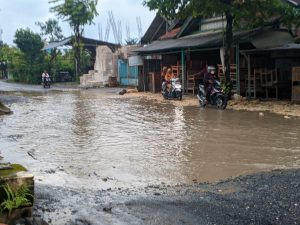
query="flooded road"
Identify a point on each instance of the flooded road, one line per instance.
(96, 140)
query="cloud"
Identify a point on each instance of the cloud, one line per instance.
(16, 14)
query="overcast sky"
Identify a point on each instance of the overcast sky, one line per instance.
(16, 14)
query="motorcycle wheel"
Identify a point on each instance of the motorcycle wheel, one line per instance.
(165, 97)
(202, 104)
(179, 95)
(220, 102)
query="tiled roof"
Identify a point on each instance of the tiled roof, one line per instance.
(170, 34)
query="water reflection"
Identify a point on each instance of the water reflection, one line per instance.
(85, 136)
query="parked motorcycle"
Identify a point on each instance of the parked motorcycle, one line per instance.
(174, 91)
(47, 82)
(216, 98)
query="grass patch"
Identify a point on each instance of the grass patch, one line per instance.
(8, 172)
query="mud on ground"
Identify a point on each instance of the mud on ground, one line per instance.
(282, 107)
(263, 198)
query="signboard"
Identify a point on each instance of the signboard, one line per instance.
(135, 60)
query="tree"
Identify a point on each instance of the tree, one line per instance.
(53, 32)
(241, 13)
(77, 13)
(132, 41)
(51, 29)
(30, 45)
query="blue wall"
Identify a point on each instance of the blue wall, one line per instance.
(128, 74)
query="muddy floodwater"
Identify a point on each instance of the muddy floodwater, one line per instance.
(96, 140)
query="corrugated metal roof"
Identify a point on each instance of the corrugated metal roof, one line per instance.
(211, 39)
(187, 42)
(287, 47)
(294, 2)
(57, 44)
(87, 41)
(155, 30)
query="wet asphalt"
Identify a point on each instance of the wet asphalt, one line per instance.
(262, 198)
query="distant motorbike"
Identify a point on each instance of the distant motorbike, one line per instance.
(46, 82)
(216, 98)
(175, 90)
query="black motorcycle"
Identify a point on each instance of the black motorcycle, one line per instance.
(174, 91)
(46, 82)
(216, 98)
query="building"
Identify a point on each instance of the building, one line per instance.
(258, 59)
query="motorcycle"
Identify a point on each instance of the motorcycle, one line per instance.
(216, 98)
(46, 82)
(175, 90)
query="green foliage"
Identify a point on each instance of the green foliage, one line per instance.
(246, 13)
(52, 32)
(1, 105)
(9, 172)
(132, 41)
(28, 62)
(77, 13)
(15, 199)
(241, 13)
(29, 43)
(226, 87)
(64, 61)
(51, 29)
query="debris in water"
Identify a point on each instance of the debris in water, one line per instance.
(107, 209)
(31, 155)
(122, 92)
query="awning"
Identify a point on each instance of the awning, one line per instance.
(202, 40)
(287, 47)
(187, 42)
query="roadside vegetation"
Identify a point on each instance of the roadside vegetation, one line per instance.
(26, 60)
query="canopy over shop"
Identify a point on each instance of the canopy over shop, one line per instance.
(188, 56)
(274, 71)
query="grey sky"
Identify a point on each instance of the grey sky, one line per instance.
(16, 14)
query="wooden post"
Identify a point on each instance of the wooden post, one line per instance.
(183, 69)
(237, 57)
(249, 77)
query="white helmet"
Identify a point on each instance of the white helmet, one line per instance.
(210, 68)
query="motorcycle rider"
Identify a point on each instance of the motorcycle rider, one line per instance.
(168, 77)
(45, 75)
(209, 79)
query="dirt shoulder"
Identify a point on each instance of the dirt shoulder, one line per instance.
(284, 108)
(262, 198)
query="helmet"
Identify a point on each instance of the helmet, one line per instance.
(210, 68)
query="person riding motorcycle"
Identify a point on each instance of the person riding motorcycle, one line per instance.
(209, 79)
(45, 76)
(168, 79)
